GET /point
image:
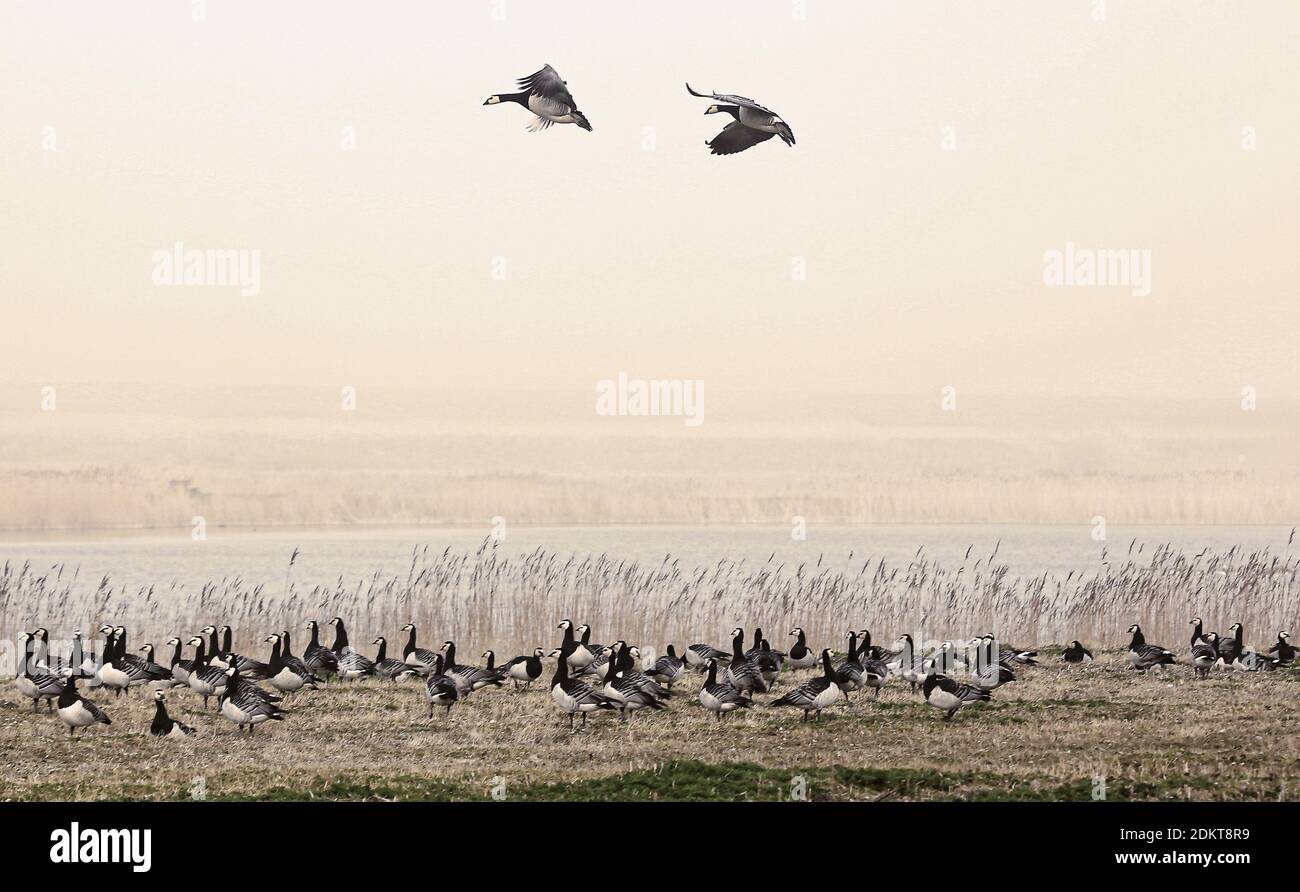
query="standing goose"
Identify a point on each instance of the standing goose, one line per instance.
(801, 656)
(848, 675)
(719, 698)
(349, 663)
(625, 665)
(753, 123)
(1283, 650)
(767, 660)
(389, 668)
(249, 669)
(421, 658)
(439, 689)
(164, 725)
(526, 669)
(247, 705)
(1198, 634)
(815, 694)
(1143, 656)
(467, 678)
(1076, 653)
(697, 656)
(668, 668)
(908, 665)
(596, 668)
(875, 671)
(1230, 649)
(35, 682)
(624, 691)
(990, 674)
(317, 656)
(576, 655)
(1205, 653)
(547, 96)
(1008, 654)
(490, 665)
(122, 670)
(292, 662)
(162, 677)
(215, 657)
(286, 676)
(950, 695)
(743, 675)
(75, 710)
(575, 696)
(206, 679)
(181, 667)
(53, 664)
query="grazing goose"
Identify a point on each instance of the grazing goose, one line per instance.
(1283, 650)
(950, 695)
(626, 693)
(1205, 653)
(577, 656)
(753, 123)
(801, 656)
(1143, 656)
(1254, 661)
(815, 694)
(181, 667)
(1230, 649)
(164, 725)
(389, 668)
(34, 682)
(668, 668)
(697, 656)
(316, 656)
(286, 676)
(75, 710)
(574, 696)
(421, 658)
(743, 675)
(162, 678)
(526, 669)
(719, 698)
(439, 689)
(247, 705)
(467, 678)
(205, 679)
(547, 96)
(1076, 653)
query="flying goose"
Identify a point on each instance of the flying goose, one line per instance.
(1205, 653)
(547, 96)
(439, 689)
(752, 125)
(575, 696)
(697, 656)
(815, 694)
(75, 710)
(39, 684)
(525, 668)
(421, 658)
(1143, 656)
(719, 698)
(164, 725)
(1284, 650)
(247, 705)
(317, 656)
(205, 678)
(668, 668)
(801, 656)
(467, 678)
(743, 675)
(576, 655)
(1076, 653)
(286, 676)
(389, 668)
(950, 695)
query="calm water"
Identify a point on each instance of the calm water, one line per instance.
(261, 555)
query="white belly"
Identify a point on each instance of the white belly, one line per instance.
(943, 700)
(77, 715)
(287, 681)
(563, 700)
(26, 686)
(113, 677)
(828, 696)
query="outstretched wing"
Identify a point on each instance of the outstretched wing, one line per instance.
(547, 84)
(736, 137)
(733, 99)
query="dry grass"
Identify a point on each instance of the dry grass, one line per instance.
(1045, 737)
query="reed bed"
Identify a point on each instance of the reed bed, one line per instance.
(512, 601)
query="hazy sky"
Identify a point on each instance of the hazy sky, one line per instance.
(924, 266)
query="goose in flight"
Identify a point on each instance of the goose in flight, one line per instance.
(752, 125)
(546, 95)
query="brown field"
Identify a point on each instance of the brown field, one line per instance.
(1045, 737)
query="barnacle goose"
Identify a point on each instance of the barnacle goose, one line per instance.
(1008, 654)
(950, 695)
(35, 682)
(75, 710)
(55, 664)
(576, 655)
(161, 676)
(1143, 656)
(316, 656)
(625, 663)
(389, 668)
(1076, 653)
(525, 668)
(467, 678)
(720, 698)
(1205, 653)
(249, 669)
(628, 695)
(215, 656)
(286, 676)
(247, 705)
(205, 678)
(439, 689)
(181, 667)
(989, 675)
(801, 656)
(490, 665)
(697, 656)
(743, 675)
(875, 671)
(421, 658)
(767, 660)
(574, 696)
(1283, 650)
(164, 725)
(596, 668)
(349, 663)
(668, 668)
(1198, 634)
(1230, 649)
(848, 674)
(906, 663)
(547, 96)
(753, 123)
(288, 659)
(815, 694)
(122, 670)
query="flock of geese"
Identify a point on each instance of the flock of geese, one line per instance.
(588, 677)
(547, 96)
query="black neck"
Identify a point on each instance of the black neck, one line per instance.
(383, 652)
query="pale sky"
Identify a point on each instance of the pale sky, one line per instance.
(924, 266)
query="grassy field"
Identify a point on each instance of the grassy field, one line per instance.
(1046, 737)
